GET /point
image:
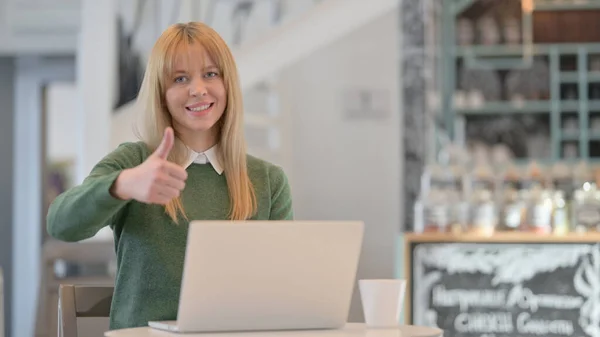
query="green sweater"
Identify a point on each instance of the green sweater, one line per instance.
(150, 247)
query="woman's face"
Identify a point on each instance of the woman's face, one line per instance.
(195, 94)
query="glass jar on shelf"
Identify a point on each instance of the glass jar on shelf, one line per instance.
(483, 215)
(442, 177)
(481, 178)
(512, 178)
(586, 208)
(539, 212)
(436, 212)
(562, 178)
(560, 214)
(458, 208)
(512, 211)
(582, 174)
(536, 175)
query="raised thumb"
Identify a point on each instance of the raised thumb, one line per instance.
(162, 151)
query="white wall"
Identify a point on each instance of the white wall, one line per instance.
(350, 168)
(122, 128)
(38, 27)
(61, 116)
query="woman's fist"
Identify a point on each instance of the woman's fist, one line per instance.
(156, 180)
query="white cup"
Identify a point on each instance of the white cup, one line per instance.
(382, 301)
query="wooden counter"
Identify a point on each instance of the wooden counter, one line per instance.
(506, 284)
(502, 237)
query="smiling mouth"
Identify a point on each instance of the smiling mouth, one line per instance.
(200, 108)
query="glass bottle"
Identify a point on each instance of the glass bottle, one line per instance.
(539, 214)
(457, 202)
(536, 176)
(482, 178)
(512, 178)
(560, 214)
(484, 217)
(586, 208)
(562, 178)
(436, 212)
(513, 211)
(582, 174)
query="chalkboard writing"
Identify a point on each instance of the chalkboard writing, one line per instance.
(506, 289)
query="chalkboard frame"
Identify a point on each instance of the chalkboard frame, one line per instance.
(412, 240)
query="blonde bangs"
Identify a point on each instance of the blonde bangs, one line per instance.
(181, 44)
(176, 46)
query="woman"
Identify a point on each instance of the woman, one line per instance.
(192, 165)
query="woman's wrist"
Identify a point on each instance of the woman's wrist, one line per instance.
(118, 189)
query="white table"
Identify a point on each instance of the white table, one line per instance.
(350, 330)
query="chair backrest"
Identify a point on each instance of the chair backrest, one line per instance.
(81, 301)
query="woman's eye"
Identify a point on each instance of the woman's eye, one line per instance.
(180, 79)
(212, 74)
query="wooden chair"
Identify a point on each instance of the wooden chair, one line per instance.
(78, 302)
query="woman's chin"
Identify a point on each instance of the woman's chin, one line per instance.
(196, 124)
(199, 127)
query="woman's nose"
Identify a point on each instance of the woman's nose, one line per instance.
(198, 88)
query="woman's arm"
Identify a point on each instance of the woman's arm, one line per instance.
(80, 212)
(281, 195)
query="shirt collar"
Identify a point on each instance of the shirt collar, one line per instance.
(208, 156)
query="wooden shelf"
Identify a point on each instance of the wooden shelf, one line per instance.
(569, 137)
(593, 76)
(573, 76)
(569, 77)
(593, 104)
(573, 5)
(507, 107)
(502, 237)
(542, 107)
(518, 50)
(569, 50)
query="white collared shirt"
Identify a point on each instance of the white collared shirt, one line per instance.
(208, 156)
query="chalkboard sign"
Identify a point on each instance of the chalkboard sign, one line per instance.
(506, 289)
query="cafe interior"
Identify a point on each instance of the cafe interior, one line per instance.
(464, 134)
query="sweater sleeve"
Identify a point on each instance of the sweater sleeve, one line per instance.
(281, 196)
(80, 212)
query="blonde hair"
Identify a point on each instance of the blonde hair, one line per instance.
(232, 145)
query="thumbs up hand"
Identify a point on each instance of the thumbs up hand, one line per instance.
(156, 180)
(166, 145)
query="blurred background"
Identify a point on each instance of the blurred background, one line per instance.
(359, 101)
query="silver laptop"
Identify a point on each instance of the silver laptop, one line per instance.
(267, 275)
